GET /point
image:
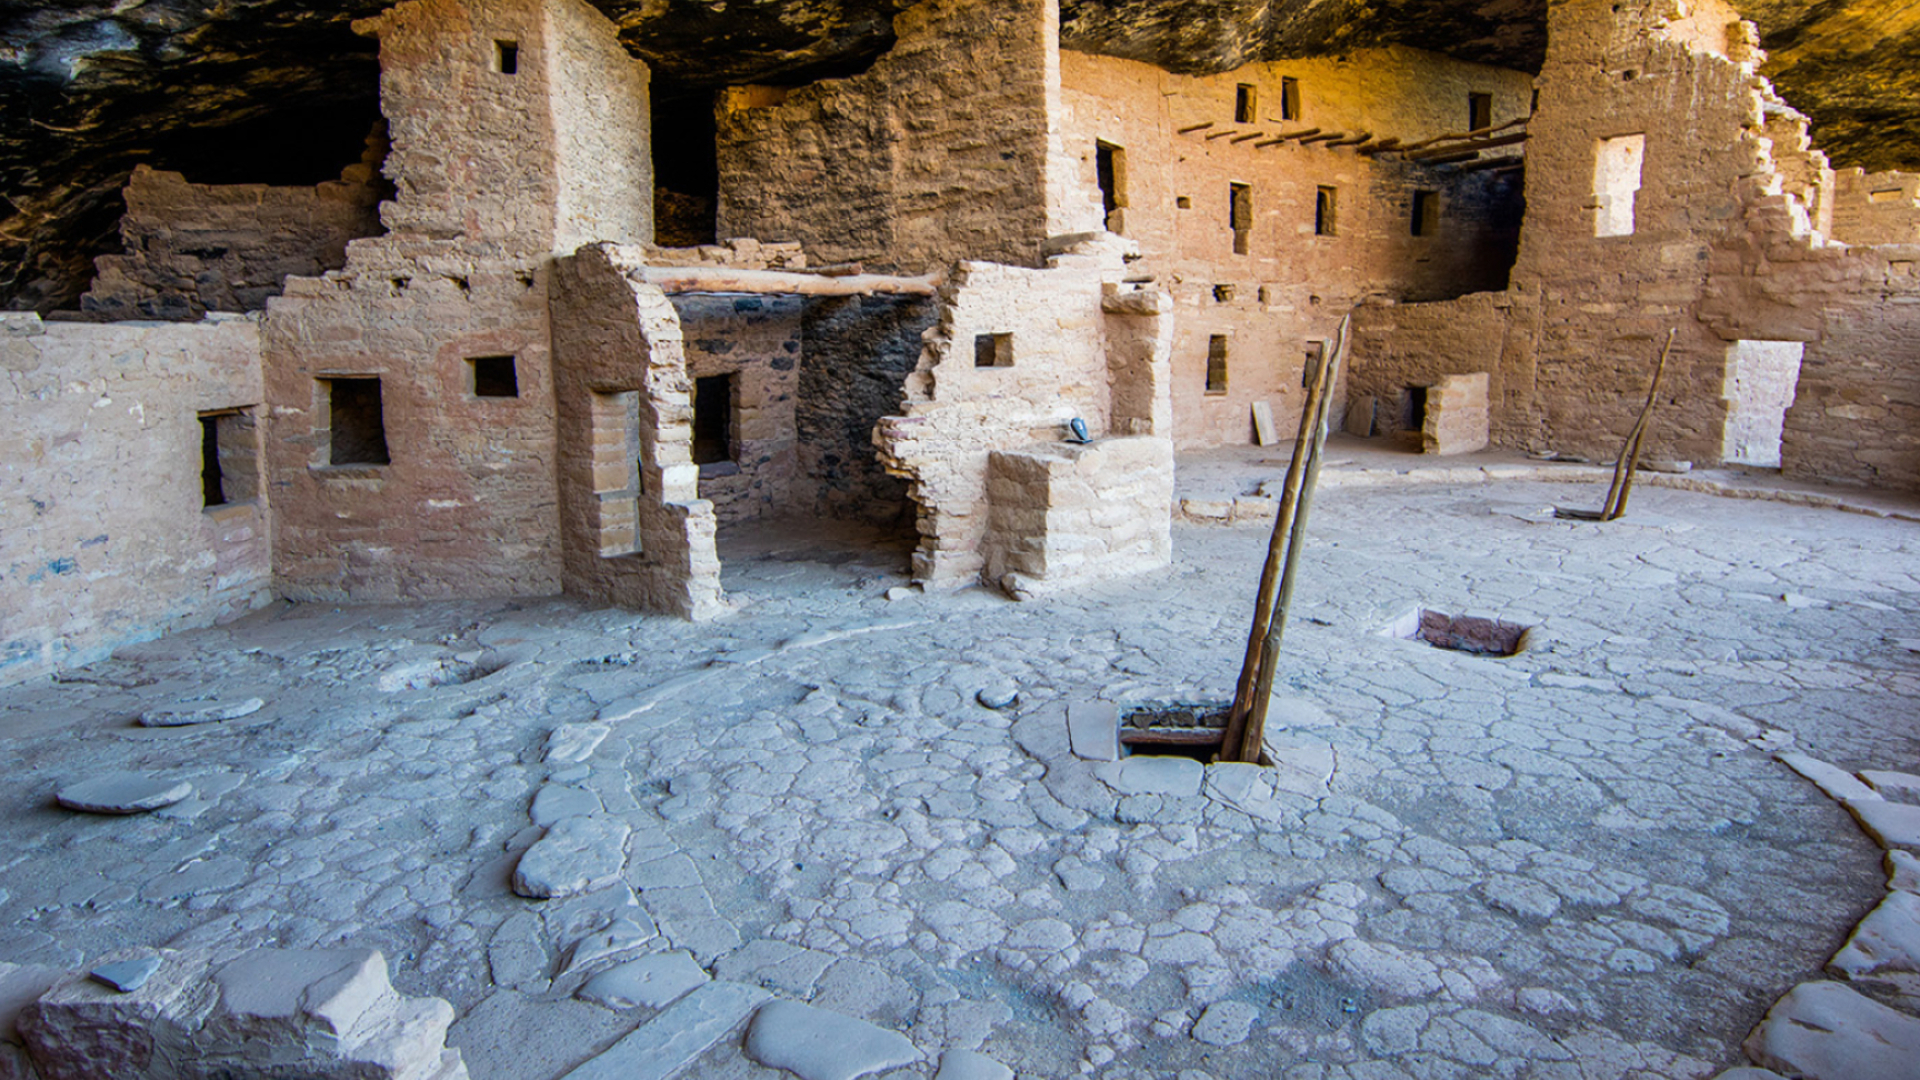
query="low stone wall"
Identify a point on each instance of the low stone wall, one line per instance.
(195, 248)
(1456, 420)
(1064, 514)
(109, 538)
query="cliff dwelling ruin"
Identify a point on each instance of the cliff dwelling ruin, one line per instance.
(566, 539)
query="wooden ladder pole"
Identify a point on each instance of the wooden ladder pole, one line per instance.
(1270, 570)
(1253, 738)
(1631, 455)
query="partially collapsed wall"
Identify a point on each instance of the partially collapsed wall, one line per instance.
(633, 528)
(195, 248)
(131, 483)
(1016, 357)
(939, 152)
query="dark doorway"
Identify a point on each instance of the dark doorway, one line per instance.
(713, 420)
(686, 171)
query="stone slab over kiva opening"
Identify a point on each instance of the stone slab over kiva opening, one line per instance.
(1476, 634)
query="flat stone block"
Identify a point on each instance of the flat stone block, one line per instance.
(1825, 1031)
(185, 715)
(970, 1065)
(1888, 939)
(816, 1044)
(1838, 783)
(671, 1041)
(1093, 727)
(1144, 775)
(123, 793)
(1892, 825)
(651, 981)
(577, 855)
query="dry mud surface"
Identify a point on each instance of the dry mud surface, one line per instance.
(1582, 861)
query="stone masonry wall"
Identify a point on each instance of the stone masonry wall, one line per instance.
(1283, 297)
(195, 248)
(1016, 355)
(1877, 208)
(109, 538)
(1061, 514)
(856, 354)
(466, 504)
(938, 152)
(757, 341)
(1399, 346)
(602, 129)
(1605, 303)
(634, 531)
(542, 158)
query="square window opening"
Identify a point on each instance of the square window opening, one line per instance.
(1289, 98)
(356, 422)
(1246, 104)
(1240, 216)
(1182, 202)
(1325, 209)
(495, 376)
(1222, 294)
(993, 350)
(1479, 112)
(713, 420)
(1217, 364)
(1426, 213)
(506, 57)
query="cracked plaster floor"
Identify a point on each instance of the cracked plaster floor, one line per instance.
(1569, 863)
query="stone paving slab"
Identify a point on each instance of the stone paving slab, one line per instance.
(1825, 1031)
(669, 1042)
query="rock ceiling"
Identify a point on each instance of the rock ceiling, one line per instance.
(282, 91)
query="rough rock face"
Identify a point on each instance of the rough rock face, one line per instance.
(281, 91)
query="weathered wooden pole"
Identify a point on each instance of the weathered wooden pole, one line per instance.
(1253, 737)
(1630, 453)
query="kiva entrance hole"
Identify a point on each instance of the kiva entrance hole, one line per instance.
(1461, 633)
(1175, 730)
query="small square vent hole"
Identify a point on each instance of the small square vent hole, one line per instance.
(1461, 633)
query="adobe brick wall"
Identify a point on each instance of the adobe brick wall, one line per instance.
(111, 541)
(195, 248)
(1877, 208)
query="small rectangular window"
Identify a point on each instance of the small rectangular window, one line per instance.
(506, 57)
(1324, 211)
(1289, 98)
(1426, 212)
(1617, 169)
(1479, 112)
(1223, 294)
(1240, 216)
(993, 350)
(356, 422)
(494, 376)
(713, 420)
(213, 490)
(1217, 364)
(1246, 104)
(1110, 169)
